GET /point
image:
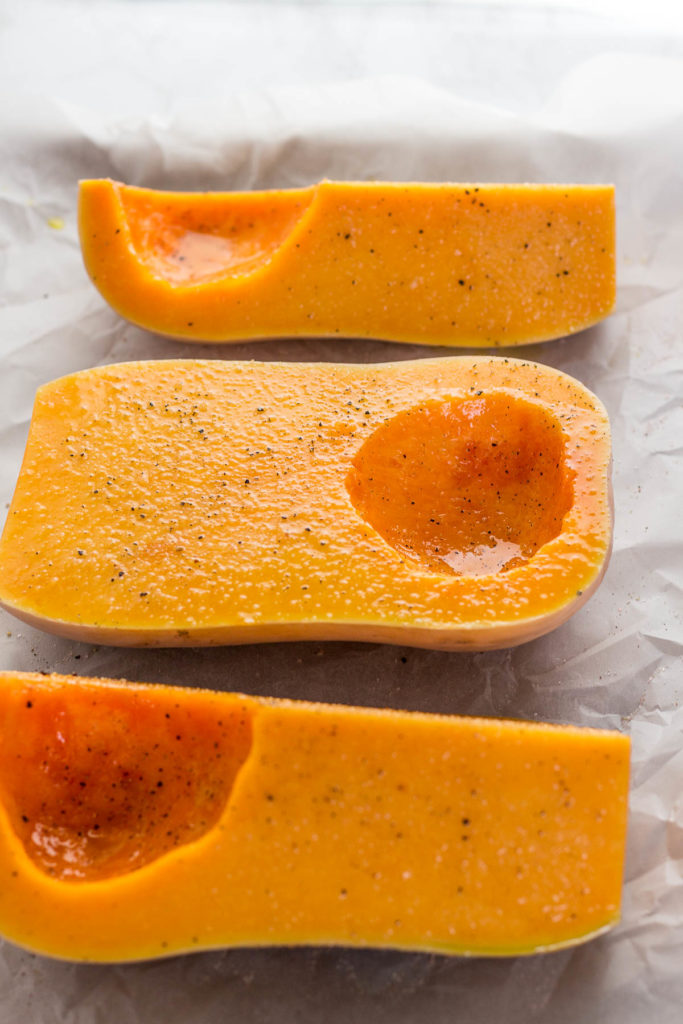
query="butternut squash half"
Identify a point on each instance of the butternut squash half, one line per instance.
(435, 264)
(454, 503)
(142, 821)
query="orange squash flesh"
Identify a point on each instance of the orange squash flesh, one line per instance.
(450, 503)
(436, 264)
(295, 823)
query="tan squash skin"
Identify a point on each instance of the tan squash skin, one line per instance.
(477, 265)
(458, 503)
(143, 821)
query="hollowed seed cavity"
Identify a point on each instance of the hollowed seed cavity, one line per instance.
(469, 486)
(211, 237)
(98, 786)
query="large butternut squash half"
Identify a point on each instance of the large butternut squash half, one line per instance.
(453, 503)
(436, 264)
(140, 821)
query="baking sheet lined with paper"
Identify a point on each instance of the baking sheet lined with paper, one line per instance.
(374, 93)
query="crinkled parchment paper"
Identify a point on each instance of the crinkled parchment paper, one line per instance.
(237, 96)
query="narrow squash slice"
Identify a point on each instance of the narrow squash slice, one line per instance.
(436, 264)
(453, 503)
(141, 821)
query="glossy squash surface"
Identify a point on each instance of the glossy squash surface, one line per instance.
(457, 503)
(436, 264)
(141, 821)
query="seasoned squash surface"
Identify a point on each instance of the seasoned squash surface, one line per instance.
(455, 503)
(141, 821)
(436, 264)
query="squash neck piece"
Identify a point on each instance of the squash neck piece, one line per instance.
(448, 264)
(122, 779)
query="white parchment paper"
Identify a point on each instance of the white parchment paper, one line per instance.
(180, 95)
